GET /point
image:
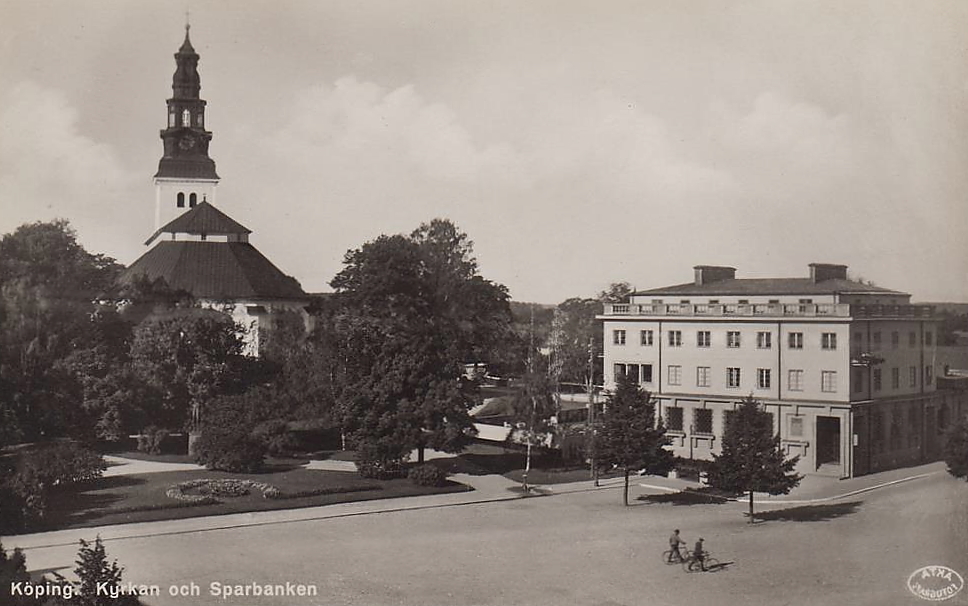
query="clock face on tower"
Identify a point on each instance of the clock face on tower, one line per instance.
(186, 143)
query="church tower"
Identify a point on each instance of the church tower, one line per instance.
(186, 175)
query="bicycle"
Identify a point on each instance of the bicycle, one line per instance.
(693, 565)
(683, 557)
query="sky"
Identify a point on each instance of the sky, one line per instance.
(577, 143)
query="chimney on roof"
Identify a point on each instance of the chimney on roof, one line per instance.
(707, 274)
(820, 272)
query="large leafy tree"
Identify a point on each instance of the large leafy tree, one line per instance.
(48, 288)
(751, 459)
(412, 310)
(630, 437)
(531, 411)
(956, 449)
(187, 358)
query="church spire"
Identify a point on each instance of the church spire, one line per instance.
(186, 174)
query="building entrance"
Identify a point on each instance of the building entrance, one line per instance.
(828, 440)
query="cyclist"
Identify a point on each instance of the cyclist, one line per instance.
(700, 554)
(674, 541)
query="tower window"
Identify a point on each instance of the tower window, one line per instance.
(186, 118)
(181, 200)
(198, 120)
(171, 119)
(192, 199)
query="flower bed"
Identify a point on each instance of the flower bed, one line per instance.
(209, 490)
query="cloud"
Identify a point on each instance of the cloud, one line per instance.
(47, 167)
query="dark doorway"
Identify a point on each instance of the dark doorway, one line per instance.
(828, 440)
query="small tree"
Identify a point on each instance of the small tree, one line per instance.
(752, 459)
(13, 569)
(630, 437)
(956, 449)
(531, 412)
(94, 569)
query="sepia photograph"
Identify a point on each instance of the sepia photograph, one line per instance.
(483, 303)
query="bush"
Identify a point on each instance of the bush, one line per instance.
(956, 449)
(230, 449)
(427, 475)
(279, 440)
(151, 439)
(373, 461)
(63, 464)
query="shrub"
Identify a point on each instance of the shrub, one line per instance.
(63, 464)
(151, 439)
(427, 475)
(229, 449)
(279, 440)
(956, 449)
(380, 462)
(94, 570)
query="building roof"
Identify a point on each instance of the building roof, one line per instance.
(203, 220)
(770, 286)
(215, 271)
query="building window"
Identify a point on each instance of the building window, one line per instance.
(646, 373)
(675, 375)
(876, 340)
(763, 378)
(702, 419)
(913, 376)
(895, 378)
(796, 340)
(795, 380)
(199, 121)
(828, 340)
(732, 377)
(928, 375)
(620, 370)
(181, 200)
(895, 339)
(764, 340)
(192, 199)
(645, 337)
(912, 339)
(618, 337)
(928, 338)
(674, 418)
(186, 118)
(703, 338)
(675, 338)
(702, 376)
(732, 338)
(796, 426)
(859, 338)
(858, 380)
(877, 379)
(828, 381)
(171, 119)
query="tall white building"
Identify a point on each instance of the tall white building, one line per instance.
(846, 369)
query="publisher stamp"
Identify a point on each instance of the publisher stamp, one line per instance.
(935, 583)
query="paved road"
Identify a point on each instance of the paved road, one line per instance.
(577, 548)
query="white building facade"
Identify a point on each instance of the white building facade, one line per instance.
(847, 370)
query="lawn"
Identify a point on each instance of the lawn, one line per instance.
(143, 498)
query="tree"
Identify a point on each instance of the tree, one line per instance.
(187, 358)
(531, 411)
(413, 310)
(48, 285)
(630, 438)
(751, 459)
(579, 332)
(956, 449)
(94, 571)
(617, 292)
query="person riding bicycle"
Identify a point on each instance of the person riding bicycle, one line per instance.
(700, 554)
(674, 542)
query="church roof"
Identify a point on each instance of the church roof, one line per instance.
(215, 271)
(204, 219)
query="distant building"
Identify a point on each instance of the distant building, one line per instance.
(847, 370)
(197, 248)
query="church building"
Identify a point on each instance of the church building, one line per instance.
(196, 248)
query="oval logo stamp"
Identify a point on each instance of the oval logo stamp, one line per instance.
(935, 583)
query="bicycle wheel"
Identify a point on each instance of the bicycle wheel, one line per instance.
(667, 556)
(691, 565)
(712, 565)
